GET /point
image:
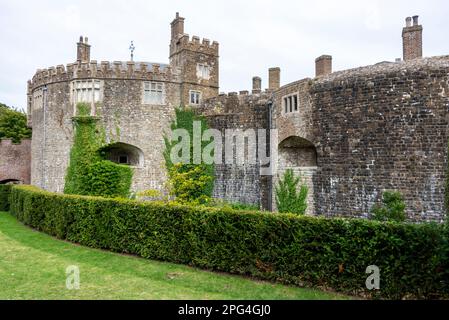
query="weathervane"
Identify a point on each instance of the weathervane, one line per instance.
(132, 48)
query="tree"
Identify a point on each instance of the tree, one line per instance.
(288, 198)
(13, 124)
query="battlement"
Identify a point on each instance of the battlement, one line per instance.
(103, 70)
(184, 42)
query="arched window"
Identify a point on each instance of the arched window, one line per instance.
(123, 153)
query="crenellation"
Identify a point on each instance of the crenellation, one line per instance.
(103, 70)
(351, 134)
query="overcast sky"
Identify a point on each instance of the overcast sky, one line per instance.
(253, 35)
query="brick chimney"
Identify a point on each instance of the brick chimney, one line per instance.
(257, 85)
(323, 65)
(83, 50)
(274, 78)
(412, 39)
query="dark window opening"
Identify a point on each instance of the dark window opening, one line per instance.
(123, 153)
(123, 159)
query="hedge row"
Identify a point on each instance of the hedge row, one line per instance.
(332, 253)
(5, 190)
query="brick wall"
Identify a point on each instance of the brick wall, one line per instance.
(15, 161)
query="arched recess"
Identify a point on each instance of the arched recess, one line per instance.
(300, 155)
(295, 151)
(123, 153)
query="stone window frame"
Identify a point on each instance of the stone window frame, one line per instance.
(38, 99)
(147, 86)
(203, 71)
(91, 89)
(290, 103)
(199, 97)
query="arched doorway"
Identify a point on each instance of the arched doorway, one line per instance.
(300, 155)
(123, 153)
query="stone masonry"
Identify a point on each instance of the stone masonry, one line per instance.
(350, 134)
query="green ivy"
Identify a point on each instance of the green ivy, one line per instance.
(189, 182)
(88, 173)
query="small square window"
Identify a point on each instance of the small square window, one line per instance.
(291, 103)
(195, 97)
(153, 93)
(123, 159)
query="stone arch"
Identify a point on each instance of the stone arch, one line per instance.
(300, 155)
(123, 153)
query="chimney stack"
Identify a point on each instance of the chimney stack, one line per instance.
(257, 85)
(323, 65)
(177, 27)
(274, 78)
(83, 50)
(412, 39)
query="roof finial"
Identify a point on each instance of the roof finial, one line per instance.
(132, 48)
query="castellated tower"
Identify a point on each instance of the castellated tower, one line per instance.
(134, 101)
(197, 63)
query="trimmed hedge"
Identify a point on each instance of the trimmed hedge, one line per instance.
(332, 253)
(5, 190)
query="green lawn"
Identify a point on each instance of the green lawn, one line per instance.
(33, 265)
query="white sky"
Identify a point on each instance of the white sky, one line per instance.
(253, 35)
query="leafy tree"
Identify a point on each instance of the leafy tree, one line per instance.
(392, 208)
(288, 198)
(13, 124)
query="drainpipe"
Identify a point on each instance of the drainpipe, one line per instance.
(270, 178)
(44, 137)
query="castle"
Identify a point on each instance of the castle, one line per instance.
(351, 134)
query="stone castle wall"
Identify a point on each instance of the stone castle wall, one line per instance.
(378, 128)
(235, 182)
(15, 161)
(125, 119)
(355, 134)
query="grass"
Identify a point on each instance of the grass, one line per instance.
(33, 266)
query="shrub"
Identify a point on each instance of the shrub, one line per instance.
(392, 208)
(5, 190)
(219, 203)
(109, 179)
(189, 183)
(413, 258)
(288, 198)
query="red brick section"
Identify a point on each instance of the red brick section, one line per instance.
(15, 161)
